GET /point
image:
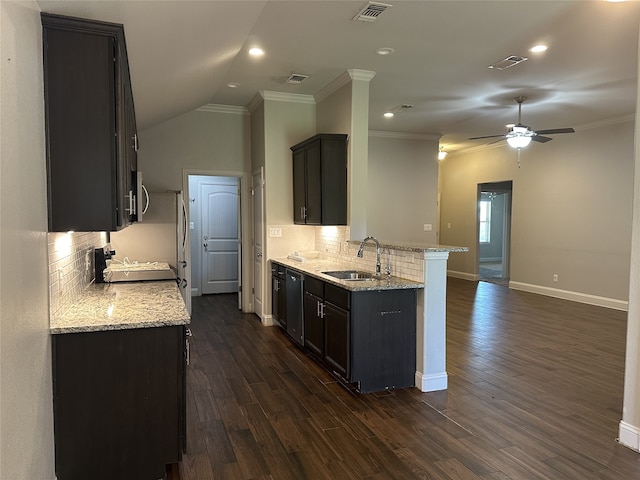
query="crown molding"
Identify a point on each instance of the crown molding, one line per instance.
(356, 74)
(342, 80)
(215, 108)
(404, 135)
(331, 87)
(287, 97)
(255, 102)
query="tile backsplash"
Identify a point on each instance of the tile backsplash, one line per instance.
(70, 266)
(333, 242)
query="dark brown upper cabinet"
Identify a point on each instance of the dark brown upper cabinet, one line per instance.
(320, 180)
(90, 125)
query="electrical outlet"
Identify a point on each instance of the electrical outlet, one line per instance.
(555, 278)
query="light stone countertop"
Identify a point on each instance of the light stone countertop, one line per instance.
(414, 246)
(119, 306)
(317, 266)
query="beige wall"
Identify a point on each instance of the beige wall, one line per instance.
(402, 188)
(26, 409)
(286, 123)
(571, 214)
(214, 138)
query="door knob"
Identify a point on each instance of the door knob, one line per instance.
(205, 246)
(259, 254)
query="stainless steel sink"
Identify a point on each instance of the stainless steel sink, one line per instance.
(353, 275)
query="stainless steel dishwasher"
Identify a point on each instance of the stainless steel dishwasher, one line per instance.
(294, 306)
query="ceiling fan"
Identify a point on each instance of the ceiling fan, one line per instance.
(520, 135)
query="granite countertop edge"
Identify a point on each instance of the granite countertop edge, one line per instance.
(416, 247)
(315, 268)
(123, 306)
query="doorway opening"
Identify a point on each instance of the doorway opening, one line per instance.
(494, 232)
(215, 234)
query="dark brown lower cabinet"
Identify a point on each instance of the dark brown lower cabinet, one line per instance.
(365, 337)
(313, 311)
(383, 339)
(119, 403)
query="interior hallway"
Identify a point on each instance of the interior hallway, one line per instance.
(535, 392)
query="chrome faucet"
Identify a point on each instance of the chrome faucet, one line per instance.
(361, 250)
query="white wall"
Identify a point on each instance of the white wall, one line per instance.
(402, 188)
(26, 409)
(571, 213)
(629, 432)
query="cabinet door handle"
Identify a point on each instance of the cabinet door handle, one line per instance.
(187, 348)
(303, 212)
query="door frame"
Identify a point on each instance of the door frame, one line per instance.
(259, 307)
(244, 271)
(505, 187)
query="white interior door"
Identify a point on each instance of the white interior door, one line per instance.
(257, 191)
(220, 238)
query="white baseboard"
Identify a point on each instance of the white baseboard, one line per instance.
(463, 275)
(490, 259)
(268, 321)
(573, 296)
(629, 436)
(432, 382)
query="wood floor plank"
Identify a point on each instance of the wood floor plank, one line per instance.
(535, 392)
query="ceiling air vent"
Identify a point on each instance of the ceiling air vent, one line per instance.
(510, 61)
(371, 11)
(296, 78)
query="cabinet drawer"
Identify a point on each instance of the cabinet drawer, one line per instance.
(315, 286)
(336, 295)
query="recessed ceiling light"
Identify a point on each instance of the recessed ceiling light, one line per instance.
(256, 52)
(233, 85)
(538, 48)
(388, 114)
(385, 51)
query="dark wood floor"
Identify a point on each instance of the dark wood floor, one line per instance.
(535, 392)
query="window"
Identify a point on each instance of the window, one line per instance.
(485, 221)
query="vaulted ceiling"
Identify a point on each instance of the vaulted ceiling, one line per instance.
(184, 54)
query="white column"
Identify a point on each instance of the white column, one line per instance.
(431, 331)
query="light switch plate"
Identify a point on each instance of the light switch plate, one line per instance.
(275, 231)
(428, 227)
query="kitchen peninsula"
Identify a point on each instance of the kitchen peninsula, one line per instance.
(431, 328)
(419, 268)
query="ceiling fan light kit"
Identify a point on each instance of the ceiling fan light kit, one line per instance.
(519, 136)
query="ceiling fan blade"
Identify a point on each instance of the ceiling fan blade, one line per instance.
(541, 139)
(498, 140)
(555, 130)
(486, 136)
